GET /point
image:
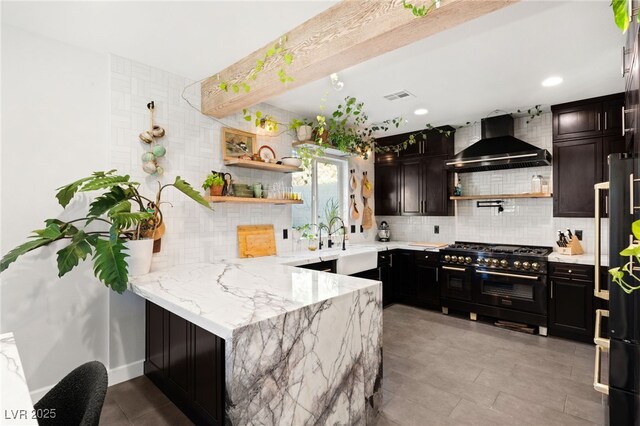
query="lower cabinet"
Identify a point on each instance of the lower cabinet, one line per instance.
(415, 278)
(571, 308)
(185, 362)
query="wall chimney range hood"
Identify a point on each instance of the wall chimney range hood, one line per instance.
(498, 150)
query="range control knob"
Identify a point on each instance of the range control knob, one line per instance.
(535, 266)
(447, 258)
(517, 264)
(504, 263)
(467, 259)
(495, 262)
(525, 265)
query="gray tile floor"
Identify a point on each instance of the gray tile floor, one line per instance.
(440, 370)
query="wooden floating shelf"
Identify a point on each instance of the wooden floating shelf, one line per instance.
(335, 152)
(250, 164)
(500, 196)
(246, 200)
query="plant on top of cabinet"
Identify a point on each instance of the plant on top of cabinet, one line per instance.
(214, 183)
(130, 216)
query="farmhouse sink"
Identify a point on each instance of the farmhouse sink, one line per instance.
(349, 263)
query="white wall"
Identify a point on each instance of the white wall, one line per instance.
(54, 130)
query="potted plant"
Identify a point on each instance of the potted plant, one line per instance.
(214, 183)
(120, 238)
(309, 235)
(302, 128)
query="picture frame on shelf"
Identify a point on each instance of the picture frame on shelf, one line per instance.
(237, 143)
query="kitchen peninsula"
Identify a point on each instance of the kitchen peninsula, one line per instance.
(241, 342)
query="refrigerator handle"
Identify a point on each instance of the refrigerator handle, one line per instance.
(600, 387)
(597, 292)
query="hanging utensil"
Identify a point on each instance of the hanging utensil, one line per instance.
(353, 182)
(355, 214)
(367, 187)
(367, 215)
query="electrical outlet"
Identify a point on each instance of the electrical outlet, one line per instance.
(436, 229)
(285, 234)
(578, 234)
(353, 229)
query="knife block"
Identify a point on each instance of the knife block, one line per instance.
(574, 247)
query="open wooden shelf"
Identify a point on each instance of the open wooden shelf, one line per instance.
(246, 200)
(335, 152)
(250, 164)
(500, 196)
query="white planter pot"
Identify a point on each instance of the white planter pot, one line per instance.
(304, 133)
(140, 253)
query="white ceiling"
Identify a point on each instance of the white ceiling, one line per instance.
(494, 62)
(194, 39)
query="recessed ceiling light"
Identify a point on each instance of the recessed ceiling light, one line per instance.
(552, 81)
(421, 111)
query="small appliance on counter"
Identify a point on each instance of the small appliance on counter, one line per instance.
(383, 232)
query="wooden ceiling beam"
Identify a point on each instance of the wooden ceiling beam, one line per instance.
(344, 35)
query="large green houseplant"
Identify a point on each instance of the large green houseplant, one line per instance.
(125, 215)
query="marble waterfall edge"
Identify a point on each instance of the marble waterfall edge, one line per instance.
(321, 364)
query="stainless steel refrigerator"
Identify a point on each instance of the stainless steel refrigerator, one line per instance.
(623, 343)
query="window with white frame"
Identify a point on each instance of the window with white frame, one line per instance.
(323, 189)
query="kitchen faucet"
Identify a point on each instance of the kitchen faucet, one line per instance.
(329, 242)
(320, 226)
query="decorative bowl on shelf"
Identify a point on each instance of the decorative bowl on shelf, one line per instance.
(292, 161)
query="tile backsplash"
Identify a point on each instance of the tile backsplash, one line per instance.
(194, 234)
(523, 221)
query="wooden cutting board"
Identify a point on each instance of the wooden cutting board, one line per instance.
(256, 240)
(429, 244)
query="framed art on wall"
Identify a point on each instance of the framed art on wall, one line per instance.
(236, 143)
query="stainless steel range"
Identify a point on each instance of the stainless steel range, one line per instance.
(506, 282)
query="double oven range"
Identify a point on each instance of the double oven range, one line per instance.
(506, 282)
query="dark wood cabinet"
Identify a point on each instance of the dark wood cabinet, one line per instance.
(577, 120)
(405, 288)
(577, 167)
(584, 134)
(427, 276)
(438, 184)
(571, 304)
(387, 189)
(185, 362)
(416, 181)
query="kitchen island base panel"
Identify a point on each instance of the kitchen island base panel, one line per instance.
(320, 364)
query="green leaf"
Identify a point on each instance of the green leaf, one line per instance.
(235, 88)
(621, 14)
(66, 193)
(127, 220)
(224, 86)
(188, 190)
(635, 229)
(123, 206)
(107, 201)
(632, 250)
(271, 51)
(69, 257)
(109, 264)
(246, 87)
(11, 257)
(106, 182)
(288, 58)
(51, 232)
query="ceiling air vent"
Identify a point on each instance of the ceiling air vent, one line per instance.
(398, 95)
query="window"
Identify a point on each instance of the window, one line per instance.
(323, 189)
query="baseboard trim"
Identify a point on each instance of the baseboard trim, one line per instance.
(116, 375)
(126, 372)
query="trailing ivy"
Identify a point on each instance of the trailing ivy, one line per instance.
(421, 11)
(277, 50)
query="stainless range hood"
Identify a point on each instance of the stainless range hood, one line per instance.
(498, 150)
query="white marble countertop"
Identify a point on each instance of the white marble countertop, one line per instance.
(16, 407)
(224, 296)
(581, 259)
